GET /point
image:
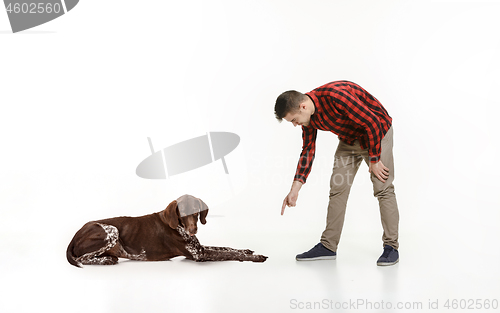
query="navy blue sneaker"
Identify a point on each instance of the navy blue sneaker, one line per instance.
(389, 257)
(318, 252)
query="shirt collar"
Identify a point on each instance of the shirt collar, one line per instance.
(313, 98)
(317, 109)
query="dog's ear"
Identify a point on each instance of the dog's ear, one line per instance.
(203, 216)
(170, 215)
(203, 211)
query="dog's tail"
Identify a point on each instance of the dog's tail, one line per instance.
(70, 256)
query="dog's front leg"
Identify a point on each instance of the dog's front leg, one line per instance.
(226, 249)
(192, 245)
(201, 253)
(230, 254)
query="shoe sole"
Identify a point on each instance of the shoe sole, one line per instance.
(333, 257)
(387, 263)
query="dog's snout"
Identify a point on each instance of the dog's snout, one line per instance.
(192, 230)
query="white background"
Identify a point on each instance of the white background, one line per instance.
(80, 95)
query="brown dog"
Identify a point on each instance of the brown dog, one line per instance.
(155, 237)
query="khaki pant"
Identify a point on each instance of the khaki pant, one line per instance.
(347, 161)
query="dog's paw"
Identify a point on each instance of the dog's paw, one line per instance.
(259, 258)
(108, 260)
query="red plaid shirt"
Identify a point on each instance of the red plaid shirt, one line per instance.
(346, 109)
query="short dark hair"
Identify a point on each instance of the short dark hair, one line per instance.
(288, 102)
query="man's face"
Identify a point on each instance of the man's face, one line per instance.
(300, 117)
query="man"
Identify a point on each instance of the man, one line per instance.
(365, 133)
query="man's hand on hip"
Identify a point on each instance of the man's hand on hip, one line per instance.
(379, 170)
